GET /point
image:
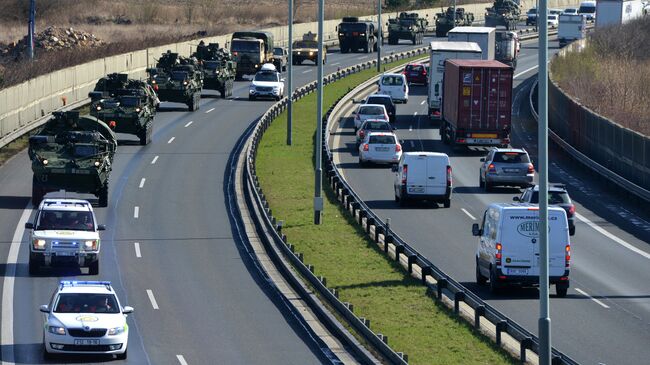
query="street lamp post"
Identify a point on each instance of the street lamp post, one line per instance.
(318, 199)
(380, 38)
(30, 30)
(290, 77)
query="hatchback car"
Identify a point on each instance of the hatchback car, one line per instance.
(553, 20)
(380, 147)
(416, 74)
(557, 196)
(386, 101)
(372, 125)
(506, 167)
(394, 85)
(267, 83)
(369, 111)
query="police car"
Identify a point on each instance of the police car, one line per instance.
(267, 83)
(85, 317)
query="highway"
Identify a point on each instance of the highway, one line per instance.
(605, 318)
(170, 249)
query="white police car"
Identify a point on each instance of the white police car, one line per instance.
(267, 83)
(85, 317)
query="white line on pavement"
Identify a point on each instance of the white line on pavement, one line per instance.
(592, 298)
(188, 124)
(415, 114)
(136, 245)
(524, 71)
(410, 128)
(152, 299)
(423, 101)
(334, 64)
(142, 183)
(612, 237)
(362, 57)
(136, 212)
(154, 160)
(209, 110)
(469, 215)
(181, 359)
(307, 71)
(171, 140)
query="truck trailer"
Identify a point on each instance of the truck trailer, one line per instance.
(617, 12)
(483, 36)
(572, 27)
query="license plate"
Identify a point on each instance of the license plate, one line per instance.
(86, 342)
(355, 33)
(65, 253)
(414, 74)
(381, 149)
(511, 170)
(518, 271)
(416, 190)
(481, 141)
(484, 135)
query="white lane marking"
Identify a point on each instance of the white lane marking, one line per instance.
(362, 57)
(171, 140)
(415, 114)
(307, 71)
(136, 212)
(181, 359)
(152, 299)
(136, 245)
(423, 101)
(410, 128)
(469, 215)
(154, 160)
(188, 124)
(209, 110)
(7, 331)
(334, 64)
(592, 298)
(142, 183)
(524, 71)
(612, 237)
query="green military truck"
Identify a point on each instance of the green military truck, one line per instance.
(445, 20)
(125, 105)
(251, 49)
(177, 79)
(407, 26)
(72, 153)
(218, 67)
(504, 13)
(357, 35)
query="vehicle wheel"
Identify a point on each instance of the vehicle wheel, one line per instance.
(238, 77)
(572, 230)
(447, 203)
(191, 106)
(102, 200)
(37, 192)
(396, 198)
(403, 201)
(34, 266)
(481, 184)
(93, 268)
(495, 287)
(251, 97)
(414, 40)
(48, 355)
(561, 290)
(277, 98)
(480, 279)
(487, 186)
(122, 356)
(362, 163)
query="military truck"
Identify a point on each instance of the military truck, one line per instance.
(251, 50)
(445, 20)
(307, 49)
(503, 13)
(357, 35)
(125, 105)
(506, 47)
(72, 153)
(177, 79)
(218, 68)
(407, 26)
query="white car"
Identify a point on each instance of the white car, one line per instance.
(267, 83)
(394, 85)
(380, 147)
(553, 20)
(369, 111)
(85, 317)
(64, 231)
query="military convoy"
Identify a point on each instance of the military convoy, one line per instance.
(251, 49)
(503, 13)
(445, 21)
(357, 35)
(307, 49)
(218, 68)
(407, 26)
(177, 79)
(72, 153)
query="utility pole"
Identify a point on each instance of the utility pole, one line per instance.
(544, 322)
(454, 23)
(318, 199)
(380, 38)
(290, 77)
(30, 30)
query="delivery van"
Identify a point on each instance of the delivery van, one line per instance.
(423, 176)
(508, 247)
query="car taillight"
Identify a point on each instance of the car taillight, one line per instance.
(567, 255)
(572, 210)
(398, 148)
(404, 172)
(155, 87)
(497, 254)
(531, 168)
(365, 147)
(448, 175)
(492, 168)
(362, 133)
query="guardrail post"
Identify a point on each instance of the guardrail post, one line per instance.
(378, 230)
(459, 296)
(478, 312)
(426, 271)
(369, 222)
(399, 249)
(411, 260)
(556, 360)
(442, 284)
(362, 214)
(525, 344)
(500, 327)
(387, 240)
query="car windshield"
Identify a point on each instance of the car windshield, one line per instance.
(587, 9)
(376, 126)
(277, 51)
(570, 11)
(414, 68)
(392, 81)
(179, 75)
(532, 11)
(371, 110)
(554, 197)
(266, 76)
(65, 220)
(245, 46)
(385, 100)
(352, 27)
(85, 150)
(305, 44)
(387, 139)
(552, 17)
(511, 157)
(86, 303)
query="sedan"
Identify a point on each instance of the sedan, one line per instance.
(369, 111)
(372, 125)
(506, 167)
(380, 147)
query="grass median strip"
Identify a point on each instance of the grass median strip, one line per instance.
(380, 290)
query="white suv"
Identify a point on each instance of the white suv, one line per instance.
(64, 231)
(267, 83)
(85, 317)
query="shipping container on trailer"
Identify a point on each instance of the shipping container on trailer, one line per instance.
(485, 37)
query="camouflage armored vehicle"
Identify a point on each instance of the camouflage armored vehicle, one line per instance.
(503, 13)
(125, 105)
(307, 49)
(356, 35)
(445, 21)
(72, 153)
(218, 67)
(177, 79)
(407, 26)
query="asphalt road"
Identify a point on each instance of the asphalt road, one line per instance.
(605, 318)
(180, 249)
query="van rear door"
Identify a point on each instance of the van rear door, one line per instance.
(436, 183)
(416, 178)
(558, 239)
(519, 240)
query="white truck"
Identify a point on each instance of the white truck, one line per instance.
(617, 12)
(572, 27)
(439, 53)
(484, 36)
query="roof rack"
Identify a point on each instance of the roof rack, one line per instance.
(73, 283)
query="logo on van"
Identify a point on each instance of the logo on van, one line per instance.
(528, 229)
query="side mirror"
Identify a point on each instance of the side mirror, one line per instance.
(475, 230)
(282, 80)
(29, 225)
(44, 308)
(127, 310)
(101, 227)
(482, 159)
(515, 199)
(393, 168)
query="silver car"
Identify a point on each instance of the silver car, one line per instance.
(380, 147)
(373, 125)
(506, 167)
(369, 111)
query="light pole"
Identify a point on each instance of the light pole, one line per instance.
(544, 322)
(30, 30)
(380, 38)
(318, 199)
(454, 23)
(290, 77)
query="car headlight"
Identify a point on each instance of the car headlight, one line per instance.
(153, 81)
(115, 331)
(45, 161)
(38, 244)
(91, 245)
(56, 330)
(99, 108)
(97, 163)
(185, 83)
(311, 53)
(137, 110)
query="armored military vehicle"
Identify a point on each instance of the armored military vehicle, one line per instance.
(355, 35)
(251, 50)
(125, 105)
(72, 153)
(177, 79)
(445, 21)
(503, 13)
(218, 67)
(307, 49)
(407, 26)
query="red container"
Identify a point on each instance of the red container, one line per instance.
(477, 102)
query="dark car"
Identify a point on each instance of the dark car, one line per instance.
(384, 100)
(416, 74)
(558, 196)
(372, 125)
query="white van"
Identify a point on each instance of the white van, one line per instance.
(423, 176)
(508, 247)
(394, 85)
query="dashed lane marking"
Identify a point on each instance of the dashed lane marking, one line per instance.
(142, 183)
(468, 214)
(152, 299)
(171, 140)
(592, 298)
(209, 110)
(307, 71)
(154, 160)
(423, 101)
(181, 359)
(136, 245)
(136, 212)
(188, 124)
